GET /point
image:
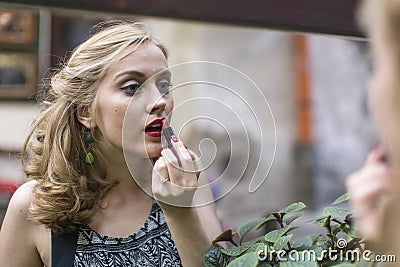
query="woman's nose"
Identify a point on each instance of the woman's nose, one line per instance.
(157, 103)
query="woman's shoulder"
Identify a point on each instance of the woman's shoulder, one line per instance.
(22, 197)
(20, 237)
(17, 214)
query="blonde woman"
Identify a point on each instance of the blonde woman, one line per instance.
(81, 206)
(375, 189)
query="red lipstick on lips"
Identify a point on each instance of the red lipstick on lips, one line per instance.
(154, 128)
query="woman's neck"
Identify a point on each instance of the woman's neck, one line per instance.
(118, 170)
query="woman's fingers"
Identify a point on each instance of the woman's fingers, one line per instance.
(180, 165)
(371, 174)
(370, 189)
(376, 155)
(198, 167)
(160, 178)
(174, 170)
(369, 185)
(175, 164)
(183, 153)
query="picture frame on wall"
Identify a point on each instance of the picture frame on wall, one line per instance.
(17, 27)
(18, 75)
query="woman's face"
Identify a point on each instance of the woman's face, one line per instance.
(384, 90)
(120, 94)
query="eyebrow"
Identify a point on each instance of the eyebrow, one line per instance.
(131, 72)
(141, 74)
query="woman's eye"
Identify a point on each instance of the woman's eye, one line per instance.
(163, 86)
(131, 88)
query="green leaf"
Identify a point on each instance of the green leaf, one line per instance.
(321, 242)
(337, 213)
(291, 264)
(305, 258)
(257, 247)
(298, 264)
(215, 258)
(292, 218)
(315, 237)
(226, 235)
(247, 260)
(341, 199)
(264, 264)
(264, 221)
(305, 241)
(345, 265)
(247, 227)
(236, 251)
(323, 221)
(294, 207)
(274, 235)
(318, 252)
(252, 242)
(282, 242)
(350, 232)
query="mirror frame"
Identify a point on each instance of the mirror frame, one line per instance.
(335, 17)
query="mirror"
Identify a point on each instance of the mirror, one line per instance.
(308, 93)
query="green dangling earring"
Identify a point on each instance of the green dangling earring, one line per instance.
(90, 156)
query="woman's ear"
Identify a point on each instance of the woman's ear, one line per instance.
(85, 117)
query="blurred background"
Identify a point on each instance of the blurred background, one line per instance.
(315, 86)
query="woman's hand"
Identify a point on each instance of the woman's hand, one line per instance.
(175, 181)
(174, 184)
(371, 190)
(174, 177)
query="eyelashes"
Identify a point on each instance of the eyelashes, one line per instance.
(163, 86)
(131, 88)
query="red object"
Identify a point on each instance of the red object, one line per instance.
(165, 123)
(154, 128)
(304, 112)
(8, 187)
(174, 139)
(154, 134)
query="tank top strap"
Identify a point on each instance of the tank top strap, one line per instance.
(63, 247)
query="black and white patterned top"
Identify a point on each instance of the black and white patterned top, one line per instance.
(151, 246)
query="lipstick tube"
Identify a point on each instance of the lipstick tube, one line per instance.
(169, 135)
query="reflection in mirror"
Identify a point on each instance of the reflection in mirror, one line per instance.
(315, 87)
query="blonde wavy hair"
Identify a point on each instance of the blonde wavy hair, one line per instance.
(68, 191)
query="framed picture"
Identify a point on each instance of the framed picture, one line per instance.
(17, 27)
(67, 31)
(18, 78)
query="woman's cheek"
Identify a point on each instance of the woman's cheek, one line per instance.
(384, 94)
(374, 97)
(170, 105)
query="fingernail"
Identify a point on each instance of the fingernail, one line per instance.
(174, 139)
